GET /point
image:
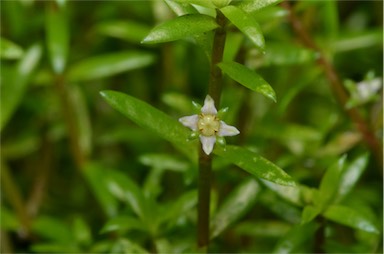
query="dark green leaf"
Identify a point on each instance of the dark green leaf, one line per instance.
(235, 206)
(181, 27)
(52, 228)
(152, 119)
(263, 228)
(246, 24)
(10, 50)
(56, 26)
(15, 83)
(109, 65)
(255, 164)
(350, 217)
(254, 5)
(248, 78)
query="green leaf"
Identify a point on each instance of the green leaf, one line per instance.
(351, 175)
(296, 237)
(81, 231)
(53, 229)
(127, 190)
(164, 161)
(10, 50)
(95, 176)
(350, 217)
(57, 35)
(181, 27)
(263, 229)
(246, 24)
(330, 184)
(152, 119)
(110, 64)
(255, 5)
(122, 224)
(15, 83)
(124, 29)
(287, 54)
(254, 164)
(309, 213)
(235, 206)
(205, 3)
(248, 78)
(181, 8)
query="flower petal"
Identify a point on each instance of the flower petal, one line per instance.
(227, 130)
(207, 143)
(190, 121)
(209, 106)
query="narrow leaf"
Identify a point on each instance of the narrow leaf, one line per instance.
(255, 5)
(127, 30)
(246, 24)
(205, 3)
(181, 8)
(123, 224)
(108, 65)
(152, 119)
(309, 213)
(350, 217)
(10, 50)
(57, 35)
(248, 78)
(330, 184)
(296, 237)
(255, 164)
(351, 175)
(181, 27)
(235, 206)
(15, 83)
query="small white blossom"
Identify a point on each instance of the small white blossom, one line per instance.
(208, 125)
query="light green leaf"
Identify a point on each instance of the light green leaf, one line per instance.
(152, 119)
(254, 5)
(57, 35)
(365, 39)
(108, 65)
(330, 184)
(164, 161)
(10, 50)
(351, 175)
(124, 29)
(350, 217)
(205, 3)
(297, 236)
(287, 54)
(181, 8)
(254, 164)
(248, 78)
(123, 224)
(246, 24)
(15, 83)
(181, 27)
(263, 229)
(235, 206)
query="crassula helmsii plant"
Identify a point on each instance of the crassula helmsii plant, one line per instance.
(211, 31)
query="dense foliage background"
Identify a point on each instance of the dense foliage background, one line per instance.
(78, 176)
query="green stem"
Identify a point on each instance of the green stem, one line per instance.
(205, 161)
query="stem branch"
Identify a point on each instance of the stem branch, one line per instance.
(337, 86)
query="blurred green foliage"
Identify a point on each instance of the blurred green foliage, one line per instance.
(77, 176)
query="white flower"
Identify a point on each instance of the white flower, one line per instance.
(208, 125)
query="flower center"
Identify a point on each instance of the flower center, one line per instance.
(208, 124)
